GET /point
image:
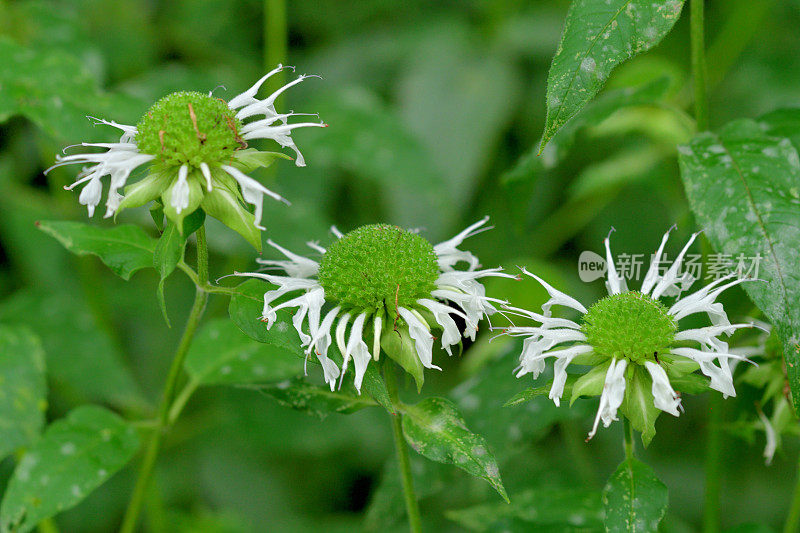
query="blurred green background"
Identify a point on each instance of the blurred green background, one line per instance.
(435, 112)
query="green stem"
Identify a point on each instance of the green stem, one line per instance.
(412, 506)
(627, 439)
(713, 466)
(275, 36)
(164, 422)
(699, 65)
(792, 524)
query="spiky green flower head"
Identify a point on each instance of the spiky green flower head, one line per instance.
(640, 358)
(378, 267)
(196, 150)
(380, 289)
(629, 325)
(190, 128)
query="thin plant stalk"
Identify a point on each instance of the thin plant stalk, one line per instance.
(163, 421)
(404, 462)
(699, 65)
(627, 439)
(792, 524)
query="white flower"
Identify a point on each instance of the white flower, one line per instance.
(121, 158)
(457, 295)
(623, 343)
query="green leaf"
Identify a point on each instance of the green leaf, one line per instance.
(169, 251)
(635, 500)
(250, 159)
(146, 190)
(124, 249)
(315, 400)
(744, 188)
(598, 36)
(548, 509)
(399, 346)
(534, 392)
(224, 205)
(221, 353)
(590, 384)
(245, 311)
(75, 455)
(638, 405)
(374, 385)
(81, 356)
(436, 430)
(23, 399)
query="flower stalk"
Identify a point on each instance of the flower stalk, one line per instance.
(404, 463)
(164, 422)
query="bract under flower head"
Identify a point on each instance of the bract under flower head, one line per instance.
(196, 146)
(634, 342)
(390, 288)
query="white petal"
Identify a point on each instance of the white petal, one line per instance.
(652, 275)
(357, 348)
(772, 438)
(423, 339)
(556, 297)
(180, 192)
(664, 396)
(671, 283)
(615, 283)
(612, 395)
(563, 359)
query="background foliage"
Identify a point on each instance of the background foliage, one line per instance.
(435, 111)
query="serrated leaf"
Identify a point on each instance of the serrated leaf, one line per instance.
(313, 399)
(598, 36)
(245, 310)
(23, 399)
(638, 405)
(744, 188)
(548, 509)
(124, 249)
(634, 499)
(81, 357)
(221, 353)
(436, 430)
(75, 455)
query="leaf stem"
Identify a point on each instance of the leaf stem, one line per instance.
(412, 506)
(792, 524)
(627, 439)
(699, 65)
(164, 421)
